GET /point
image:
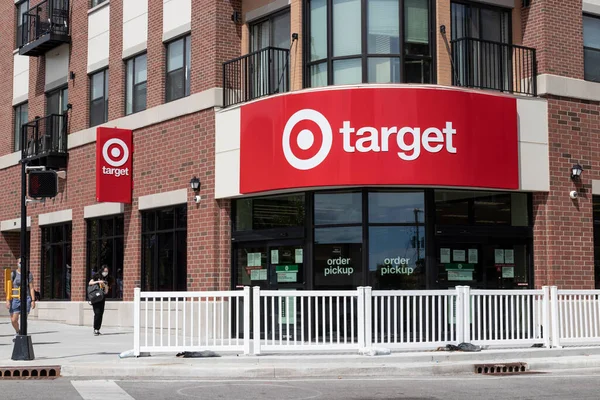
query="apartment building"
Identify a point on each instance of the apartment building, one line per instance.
(304, 144)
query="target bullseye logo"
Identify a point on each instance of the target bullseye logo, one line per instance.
(306, 138)
(115, 153)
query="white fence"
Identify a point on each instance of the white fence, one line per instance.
(191, 321)
(284, 321)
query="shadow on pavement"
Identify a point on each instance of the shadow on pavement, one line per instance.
(39, 343)
(102, 353)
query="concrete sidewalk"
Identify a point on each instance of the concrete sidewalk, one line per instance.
(81, 354)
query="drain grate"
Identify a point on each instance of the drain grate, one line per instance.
(46, 372)
(500, 369)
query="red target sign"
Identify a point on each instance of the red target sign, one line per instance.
(114, 151)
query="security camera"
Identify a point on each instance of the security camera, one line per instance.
(197, 198)
(573, 194)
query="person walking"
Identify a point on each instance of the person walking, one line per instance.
(103, 281)
(14, 304)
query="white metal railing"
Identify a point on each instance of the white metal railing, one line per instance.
(506, 317)
(577, 317)
(302, 320)
(189, 321)
(412, 318)
(289, 320)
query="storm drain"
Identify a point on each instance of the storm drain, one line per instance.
(46, 372)
(500, 369)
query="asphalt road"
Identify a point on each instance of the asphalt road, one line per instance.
(579, 384)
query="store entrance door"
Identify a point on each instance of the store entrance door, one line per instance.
(270, 265)
(483, 262)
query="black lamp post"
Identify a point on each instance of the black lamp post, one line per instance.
(576, 171)
(195, 184)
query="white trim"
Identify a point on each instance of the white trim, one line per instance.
(10, 160)
(162, 199)
(96, 67)
(20, 100)
(103, 209)
(595, 186)
(13, 225)
(197, 102)
(591, 7)
(568, 87)
(98, 7)
(55, 217)
(135, 50)
(266, 10)
(176, 32)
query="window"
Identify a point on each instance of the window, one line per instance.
(135, 84)
(99, 98)
(21, 116)
(94, 3)
(393, 46)
(591, 48)
(164, 249)
(105, 246)
(56, 101)
(56, 262)
(455, 207)
(269, 212)
(178, 68)
(397, 240)
(22, 9)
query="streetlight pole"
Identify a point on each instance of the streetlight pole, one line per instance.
(23, 350)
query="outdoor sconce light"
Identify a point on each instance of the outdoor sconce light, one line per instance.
(576, 171)
(195, 185)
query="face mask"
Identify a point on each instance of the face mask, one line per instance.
(105, 273)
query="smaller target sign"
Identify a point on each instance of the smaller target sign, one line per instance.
(114, 152)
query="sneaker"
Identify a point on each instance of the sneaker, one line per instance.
(15, 337)
(96, 332)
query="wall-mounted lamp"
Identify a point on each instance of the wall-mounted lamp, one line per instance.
(576, 171)
(236, 17)
(195, 185)
(72, 75)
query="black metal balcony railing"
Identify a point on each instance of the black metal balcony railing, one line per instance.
(257, 74)
(485, 64)
(45, 141)
(45, 26)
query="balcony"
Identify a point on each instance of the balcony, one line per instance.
(45, 26)
(261, 73)
(45, 142)
(484, 64)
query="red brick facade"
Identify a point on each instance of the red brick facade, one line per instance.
(168, 154)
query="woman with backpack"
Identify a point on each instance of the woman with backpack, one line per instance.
(101, 279)
(14, 304)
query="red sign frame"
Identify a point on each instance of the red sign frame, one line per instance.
(379, 136)
(114, 165)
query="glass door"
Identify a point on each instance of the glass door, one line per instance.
(485, 62)
(268, 68)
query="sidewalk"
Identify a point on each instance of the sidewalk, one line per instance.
(81, 354)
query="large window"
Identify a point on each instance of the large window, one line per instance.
(338, 240)
(99, 98)
(105, 247)
(397, 240)
(164, 249)
(56, 262)
(455, 207)
(178, 68)
(270, 212)
(94, 3)
(22, 8)
(591, 48)
(21, 115)
(135, 84)
(394, 44)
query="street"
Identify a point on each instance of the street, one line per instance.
(573, 384)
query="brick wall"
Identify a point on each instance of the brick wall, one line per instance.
(7, 45)
(554, 28)
(563, 228)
